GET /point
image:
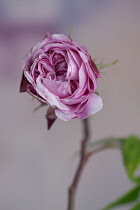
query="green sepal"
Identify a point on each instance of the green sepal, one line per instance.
(101, 66)
(38, 107)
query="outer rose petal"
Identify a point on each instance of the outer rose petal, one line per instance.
(61, 37)
(64, 116)
(94, 105)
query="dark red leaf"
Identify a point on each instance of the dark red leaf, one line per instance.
(23, 84)
(51, 117)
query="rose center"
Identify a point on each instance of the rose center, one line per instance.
(60, 66)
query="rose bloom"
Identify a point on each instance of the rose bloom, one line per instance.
(60, 73)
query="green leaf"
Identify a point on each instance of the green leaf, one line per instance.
(101, 66)
(129, 197)
(136, 207)
(131, 157)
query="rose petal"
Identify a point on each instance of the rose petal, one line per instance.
(64, 115)
(94, 105)
(61, 37)
(72, 71)
(83, 56)
(58, 88)
(52, 99)
(37, 53)
(82, 86)
(76, 57)
(82, 76)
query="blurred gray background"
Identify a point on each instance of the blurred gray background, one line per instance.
(36, 165)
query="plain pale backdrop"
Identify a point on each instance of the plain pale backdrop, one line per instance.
(36, 165)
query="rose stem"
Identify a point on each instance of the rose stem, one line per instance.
(83, 159)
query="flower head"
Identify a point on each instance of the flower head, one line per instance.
(60, 73)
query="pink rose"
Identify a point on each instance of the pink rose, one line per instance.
(60, 73)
